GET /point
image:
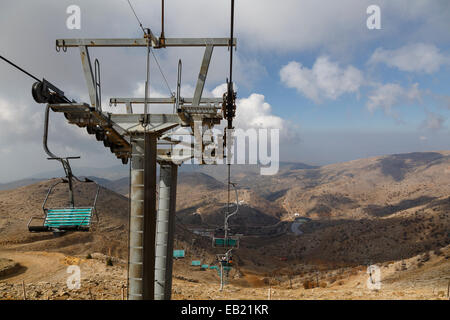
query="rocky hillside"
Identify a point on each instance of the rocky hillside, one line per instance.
(366, 188)
(378, 209)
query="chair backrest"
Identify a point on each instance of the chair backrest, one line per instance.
(205, 266)
(229, 242)
(196, 263)
(69, 217)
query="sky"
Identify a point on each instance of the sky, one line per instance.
(337, 90)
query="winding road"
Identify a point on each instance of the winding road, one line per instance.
(295, 228)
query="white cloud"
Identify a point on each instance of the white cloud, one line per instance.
(255, 112)
(140, 91)
(388, 95)
(220, 90)
(419, 57)
(325, 80)
(433, 121)
(22, 127)
(309, 24)
(18, 122)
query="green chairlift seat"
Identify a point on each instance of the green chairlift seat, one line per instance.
(178, 254)
(79, 218)
(65, 219)
(196, 263)
(230, 242)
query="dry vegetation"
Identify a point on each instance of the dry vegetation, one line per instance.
(390, 211)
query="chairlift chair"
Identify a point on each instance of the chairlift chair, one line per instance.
(177, 254)
(72, 218)
(196, 263)
(227, 241)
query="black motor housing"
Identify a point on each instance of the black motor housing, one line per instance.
(45, 92)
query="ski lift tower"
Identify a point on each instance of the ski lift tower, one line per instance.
(146, 139)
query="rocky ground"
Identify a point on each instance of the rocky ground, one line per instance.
(45, 277)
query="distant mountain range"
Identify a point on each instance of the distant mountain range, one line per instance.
(18, 183)
(115, 177)
(379, 209)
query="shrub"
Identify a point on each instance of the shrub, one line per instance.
(109, 262)
(308, 284)
(89, 256)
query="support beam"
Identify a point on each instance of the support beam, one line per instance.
(142, 42)
(165, 229)
(149, 216)
(154, 119)
(88, 75)
(129, 108)
(136, 232)
(168, 100)
(198, 139)
(202, 75)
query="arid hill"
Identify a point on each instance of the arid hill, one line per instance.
(366, 188)
(392, 211)
(19, 205)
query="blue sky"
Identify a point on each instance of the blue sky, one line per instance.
(338, 90)
(348, 110)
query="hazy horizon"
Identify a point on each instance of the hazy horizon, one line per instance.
(107, 171)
